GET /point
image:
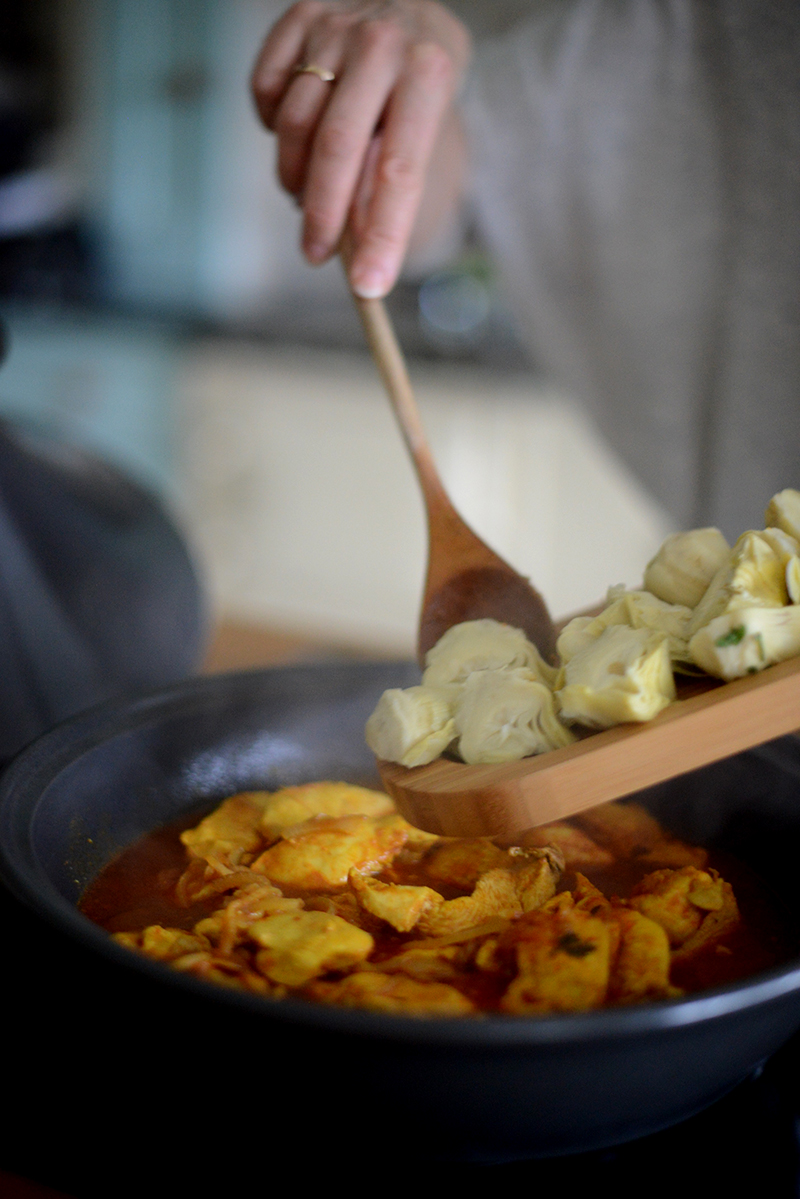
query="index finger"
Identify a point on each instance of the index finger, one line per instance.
(413, 118)
(343, 137)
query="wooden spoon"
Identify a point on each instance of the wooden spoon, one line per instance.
(466, 580)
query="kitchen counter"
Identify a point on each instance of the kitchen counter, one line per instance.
(236, 645)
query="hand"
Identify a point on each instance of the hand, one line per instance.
(359, 149)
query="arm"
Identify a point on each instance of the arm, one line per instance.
(379, 146)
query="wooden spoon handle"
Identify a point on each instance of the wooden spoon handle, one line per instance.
(391, 364)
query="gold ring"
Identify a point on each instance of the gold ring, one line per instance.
(311, 68)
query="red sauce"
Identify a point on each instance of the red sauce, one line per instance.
(137, 887)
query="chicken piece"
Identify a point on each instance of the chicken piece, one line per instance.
(517, 880)
(678, 899)
(487, 957)
(411, 856)
(211, 885)
(462, 861)
(536, 879)
(128, 940)
(412, 726)
(477, 645)
(562, 901)
(167, 944)
(228, 927)
(344, 904)
(392, 993)
(229, 833)
(578, 849)
(194, 878)
(298, 946)
(642, 962)
(563, 962)
(588, 897)
(319, 854)
(418, 841)
(428, 963)
(226, 972)
(629, 831)
(495, 894)
(399, 905)
(672, 853)
(293, 805)
(163, 944)
(716, 924)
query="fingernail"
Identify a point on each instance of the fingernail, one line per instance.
(370, 285)
(316, 252)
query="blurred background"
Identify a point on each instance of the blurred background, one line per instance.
(159, 312)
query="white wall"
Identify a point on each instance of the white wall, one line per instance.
(174, 170)
(305, 513)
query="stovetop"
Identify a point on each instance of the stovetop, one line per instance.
(57, 1124)
(747, 1142)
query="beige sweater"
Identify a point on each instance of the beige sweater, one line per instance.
(638, 178)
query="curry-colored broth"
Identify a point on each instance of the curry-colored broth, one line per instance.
(136, 889)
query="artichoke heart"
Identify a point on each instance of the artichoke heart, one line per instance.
(504, 715)
(625, 674)
(753, 577)
(577, 635)
(412, 726)
(482, 645)
(793, 579)
(783, 512)
(637, 610)
(685, 565)
(746, 640)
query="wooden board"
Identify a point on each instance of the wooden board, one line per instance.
(709, 721)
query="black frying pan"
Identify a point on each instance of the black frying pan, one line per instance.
(141, 1058)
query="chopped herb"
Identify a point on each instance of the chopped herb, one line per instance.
(576, 948)
(761, 649)
(731, 638)
(752, 670)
